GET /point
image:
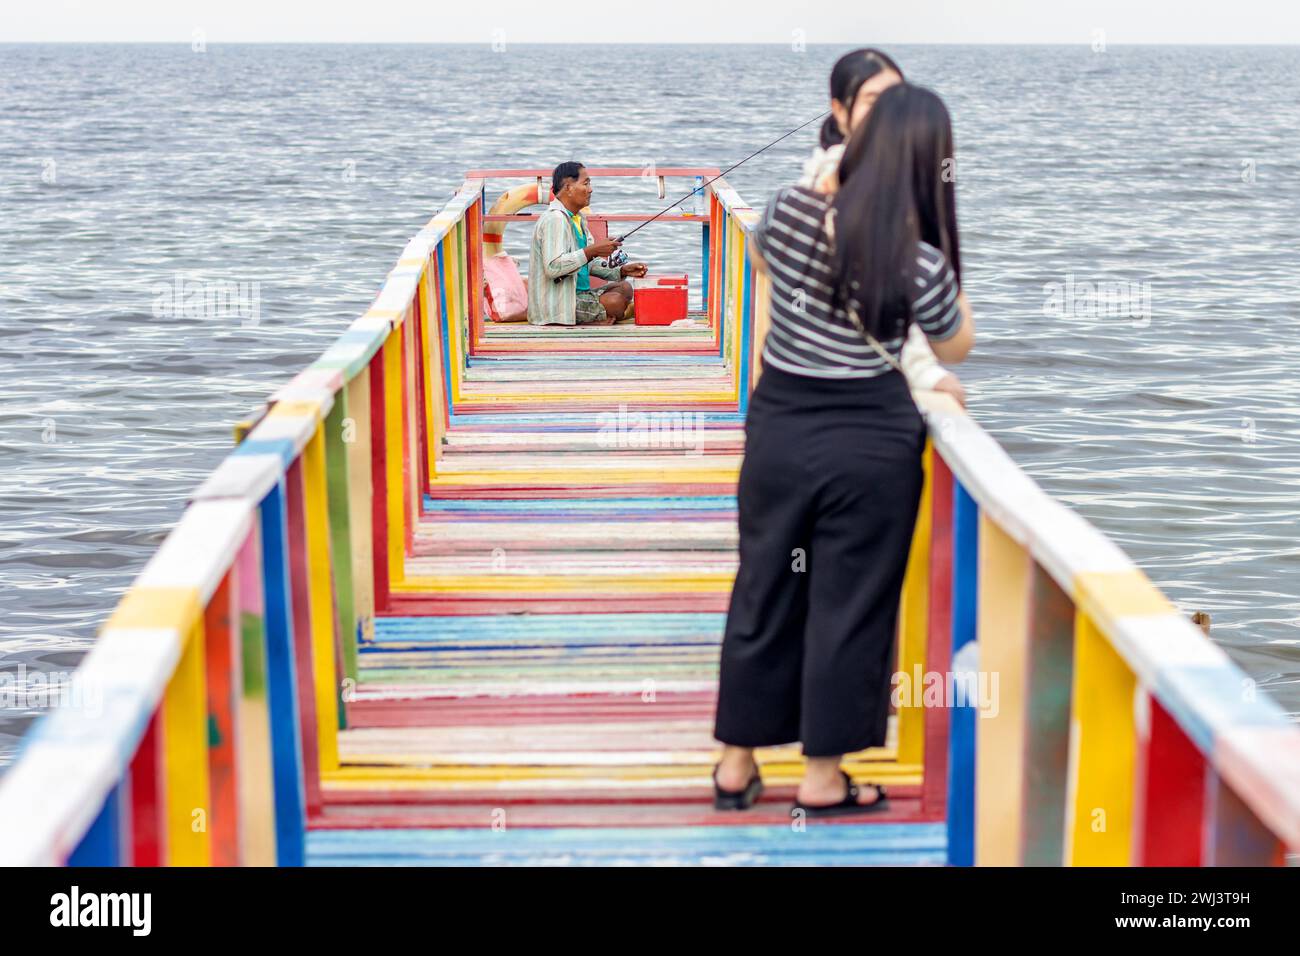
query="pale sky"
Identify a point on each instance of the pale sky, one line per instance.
(654, 21)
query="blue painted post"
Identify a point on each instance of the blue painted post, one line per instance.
(444, 335)
(102, 845)
(286, 742)
(743, 360)
(961, 734)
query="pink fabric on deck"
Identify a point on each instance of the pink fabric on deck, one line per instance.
(504, 286)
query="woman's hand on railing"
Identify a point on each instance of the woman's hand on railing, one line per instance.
(951, 385)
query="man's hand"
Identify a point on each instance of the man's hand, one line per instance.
(601, 248)
(636, 270)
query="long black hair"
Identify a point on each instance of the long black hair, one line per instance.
(897, 180)
(847, 76)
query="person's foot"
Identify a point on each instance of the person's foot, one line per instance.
(734, 773)
(826, 793)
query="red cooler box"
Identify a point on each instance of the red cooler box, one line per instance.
(660, 300)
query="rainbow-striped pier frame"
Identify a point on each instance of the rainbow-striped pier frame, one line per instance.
(322, 663)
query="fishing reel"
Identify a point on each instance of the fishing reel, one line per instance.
(617, 259)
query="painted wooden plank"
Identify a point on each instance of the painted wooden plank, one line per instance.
(185, 758)
(1263, 762)
(223, 670)
(883, 844)
(1170, 791)
(1234, 835)
(961, 742)
(286, 736)
(1049, 667)
(148, 805)
(1099, 820)
(320, 598)
(254, 768)
(300, 603)
(108, 839)
(246, 477)
(394, 459)
(1001, 730)
(76, 754)
(413, 487)
(938, 640)
(379, 470)
(913, 622)
(418, 351)
(435, 409)
(360, 504)
(199, 550)
(338, 429)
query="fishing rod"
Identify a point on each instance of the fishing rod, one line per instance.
(621, 256)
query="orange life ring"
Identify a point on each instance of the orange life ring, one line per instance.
(510, 202)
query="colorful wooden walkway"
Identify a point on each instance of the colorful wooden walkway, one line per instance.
(457, 594)
(569, 717)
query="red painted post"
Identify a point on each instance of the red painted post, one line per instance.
(148, 834)
(221, 646)
(1169, 798)
(300, 599)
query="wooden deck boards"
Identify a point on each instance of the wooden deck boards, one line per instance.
(542, 690)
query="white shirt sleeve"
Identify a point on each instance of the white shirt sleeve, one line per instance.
(921, 369)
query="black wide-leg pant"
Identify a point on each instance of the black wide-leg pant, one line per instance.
(827, 504)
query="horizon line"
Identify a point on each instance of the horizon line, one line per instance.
(604, 43)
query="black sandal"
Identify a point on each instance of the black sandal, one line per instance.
(737, 799)
(849, 805)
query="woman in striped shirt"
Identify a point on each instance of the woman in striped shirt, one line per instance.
(832, 474)
(856, 81)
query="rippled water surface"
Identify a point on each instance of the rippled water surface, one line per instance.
(306, 168)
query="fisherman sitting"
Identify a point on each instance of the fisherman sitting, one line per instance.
(564, 256)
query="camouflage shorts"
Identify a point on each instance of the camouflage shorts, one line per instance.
(589, 308)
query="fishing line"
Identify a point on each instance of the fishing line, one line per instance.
(723, 173)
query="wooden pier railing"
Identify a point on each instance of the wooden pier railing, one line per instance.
(1103, 727)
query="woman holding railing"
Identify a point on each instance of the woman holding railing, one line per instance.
(832, 474)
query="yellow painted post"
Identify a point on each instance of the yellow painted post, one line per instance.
(450, 283)
(1103, 750)
(1005, 570)
(394, 456)
(914, 622)
(431, 352)
(737, 283)
(356, 438)
(320, 585)
(185, 750)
